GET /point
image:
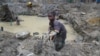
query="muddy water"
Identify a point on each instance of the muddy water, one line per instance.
(35, 24)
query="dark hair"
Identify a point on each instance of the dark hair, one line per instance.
(52, 13)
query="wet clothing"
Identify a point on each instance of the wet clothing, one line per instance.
(59, 39)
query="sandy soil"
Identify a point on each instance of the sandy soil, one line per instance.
(35, 24)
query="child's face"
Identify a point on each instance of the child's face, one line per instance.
(51, 17)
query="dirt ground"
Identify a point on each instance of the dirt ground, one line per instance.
(35, 24)
(31, 46)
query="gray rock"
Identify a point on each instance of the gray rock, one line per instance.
(0, 50)
(22, 35)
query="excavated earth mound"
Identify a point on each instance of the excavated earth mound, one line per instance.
(35, 46)
(8, 44)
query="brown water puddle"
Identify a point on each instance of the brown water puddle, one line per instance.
(35, 24)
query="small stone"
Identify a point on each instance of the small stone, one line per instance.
(97, 43)
(23, 47)
(83, 13)
(0, 51)
(31, 54)
(1, 39)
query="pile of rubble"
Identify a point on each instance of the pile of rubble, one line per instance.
(37, 46)
(8, 44)
(41, 8)
(85, 20)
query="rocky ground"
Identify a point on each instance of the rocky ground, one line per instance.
(84, 19)
(8, 44)
(35, 46)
